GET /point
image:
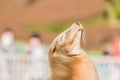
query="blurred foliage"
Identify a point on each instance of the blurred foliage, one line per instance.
(20, 47)
(94, 53)
(59, 27)
(56, 28)
(97, 20)
(26, 2)
(113, 12)
(114, 5)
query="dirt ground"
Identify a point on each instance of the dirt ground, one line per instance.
(98, 36)
(16, 16)
(17, 13)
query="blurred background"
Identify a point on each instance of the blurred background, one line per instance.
(32, 22)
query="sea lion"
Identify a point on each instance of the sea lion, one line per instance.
(68, 60)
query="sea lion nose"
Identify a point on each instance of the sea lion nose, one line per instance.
(74, 29)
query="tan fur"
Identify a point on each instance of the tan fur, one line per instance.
(67, 59)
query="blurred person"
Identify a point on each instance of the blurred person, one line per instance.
(4, 73)
(33, 43)
(108, 49)
(7, 46)
(38, 54)
(7, 42)
(116, 46)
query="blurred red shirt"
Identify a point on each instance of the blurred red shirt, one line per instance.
(117, 46)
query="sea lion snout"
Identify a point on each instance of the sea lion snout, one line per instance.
(72, 33)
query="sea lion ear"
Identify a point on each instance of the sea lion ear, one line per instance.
(52, 49)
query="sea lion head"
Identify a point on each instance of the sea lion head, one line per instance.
(69, 42)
